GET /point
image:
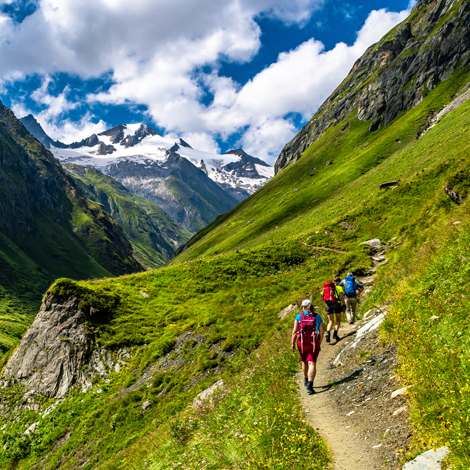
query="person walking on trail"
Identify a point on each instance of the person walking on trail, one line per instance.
(333, 296)
(352, 289)
(308, 334)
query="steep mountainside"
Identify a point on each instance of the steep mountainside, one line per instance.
(183, 191)
(141, 148)
(395, 74)
(213, 313)
(153, 234)
(48, 228)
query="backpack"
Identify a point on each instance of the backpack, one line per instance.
(350, 286)
(307, 331)
(329, 292)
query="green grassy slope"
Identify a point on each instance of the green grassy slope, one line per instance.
(350, 186)
(228, 303)
(152, 232)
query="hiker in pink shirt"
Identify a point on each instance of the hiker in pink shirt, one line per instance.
(308, 334)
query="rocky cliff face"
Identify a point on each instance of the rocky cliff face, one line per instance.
(395, 74)
(35, 128)
(56, 353)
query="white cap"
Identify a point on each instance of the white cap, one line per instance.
(306, 303)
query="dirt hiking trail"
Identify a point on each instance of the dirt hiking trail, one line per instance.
(354, 439)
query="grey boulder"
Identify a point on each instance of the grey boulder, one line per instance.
(430, 460)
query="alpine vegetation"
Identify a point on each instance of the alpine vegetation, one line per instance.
(192, 365)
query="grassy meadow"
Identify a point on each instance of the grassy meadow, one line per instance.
(228, 286)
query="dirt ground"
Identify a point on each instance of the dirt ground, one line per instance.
(353, 409)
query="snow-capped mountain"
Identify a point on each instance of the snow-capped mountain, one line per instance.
(191, 185)
(236, 172)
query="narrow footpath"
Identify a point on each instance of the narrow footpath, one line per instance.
(351, 451)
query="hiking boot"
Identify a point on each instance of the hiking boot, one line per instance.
(310, 389)
(335, 336)
(305, 382)
(327, 336)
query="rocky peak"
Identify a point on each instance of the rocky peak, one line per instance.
(245, 167)
(185, 144)
(88, 142)
(125, 135)
(245, 157)
(395, 74)
(33, 126)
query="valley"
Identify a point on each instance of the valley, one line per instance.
(175, 354)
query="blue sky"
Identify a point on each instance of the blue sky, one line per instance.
(221, 74)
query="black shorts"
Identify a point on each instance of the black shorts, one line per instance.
(333, 307)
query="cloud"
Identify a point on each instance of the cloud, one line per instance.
(166, 55)
(289, 12)
(93, 36)
(54, 107)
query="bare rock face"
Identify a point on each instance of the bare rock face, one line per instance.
(55, 354)
(395, 74)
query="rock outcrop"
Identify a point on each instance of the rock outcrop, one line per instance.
(430, 460)
(395, 74)
(56, 353)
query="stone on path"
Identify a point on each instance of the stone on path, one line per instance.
(430, 460)
(400, 410)
(368, 328)
(368, 314)
(362, 333)
(401, 391)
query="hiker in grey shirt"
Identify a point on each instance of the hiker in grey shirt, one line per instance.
(352, 289)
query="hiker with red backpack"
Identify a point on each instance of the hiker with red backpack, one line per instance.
(333, 297)
(352, 289)
(308, 334)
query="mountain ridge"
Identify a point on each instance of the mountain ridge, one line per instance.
(404, 63)
(140, 150)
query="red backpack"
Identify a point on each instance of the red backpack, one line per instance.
(329, 292)
(307, 331)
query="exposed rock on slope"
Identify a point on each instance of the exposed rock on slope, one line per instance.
(56, 353)
(395, 74)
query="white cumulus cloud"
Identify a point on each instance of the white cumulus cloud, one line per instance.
(166, 54)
